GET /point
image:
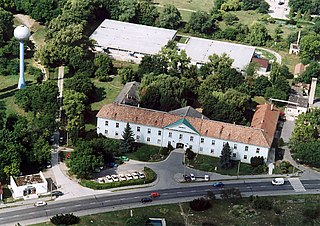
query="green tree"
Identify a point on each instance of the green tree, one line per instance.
(312, 71)
(42, 151)
(147, 13)
(201, 22)
(170, 17)
(127, 75)
(103, 65)
(231, 5)
(260, 85)
(219, 63)
(82, 84)
(74, 107)
(127, 143)
(272, 92)
(83, 161)
(127, 10)
(307, 153)
(258, 34)
(156, 64)
(230, 18)
(225, 157)
(310, 48)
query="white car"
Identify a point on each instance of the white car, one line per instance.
(141, 175)
(193, 178)
(277, 181)
(40, 203)
(100, 180)
(135, 175)
(122, 177)
(108, 179)
(115, 178)
(206, 177)
(129, 177)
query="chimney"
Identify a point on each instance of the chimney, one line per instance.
(312, 91)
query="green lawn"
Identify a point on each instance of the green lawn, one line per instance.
(146, 153)
(204, 5)
(222, 212)
(211, 164)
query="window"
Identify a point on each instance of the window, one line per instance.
(213, 142)
(106, 132)
(116, 133)
(169, 142)
(257, 150)
(202, 140)
(191, 138)
(201, 148)
(148, 139)
(158, 141)
(180, 136)
(138, 128)
(246, 148)
(117, 125)
(159, 132)
(170, 134)
(212, 150)
(235, 146)
(106, 123)
(245, 156)
(137, 137)
(149, 130)
(234, 155)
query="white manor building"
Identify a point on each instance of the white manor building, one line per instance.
(196, 132)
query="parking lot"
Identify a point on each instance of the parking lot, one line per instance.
(277, 10)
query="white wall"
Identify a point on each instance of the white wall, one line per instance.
(181, 134)
(292, 113)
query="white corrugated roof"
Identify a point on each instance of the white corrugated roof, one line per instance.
(132, 37)
(199, 49)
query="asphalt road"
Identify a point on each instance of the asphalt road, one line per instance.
(126, 200)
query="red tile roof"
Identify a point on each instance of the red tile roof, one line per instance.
(254, 135)
(266, 118)
(262, 62)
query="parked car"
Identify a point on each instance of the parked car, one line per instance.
(100, 180)
(49, 165)
(280, 3)
(141, 175)
(154, 195)
(129, 177)
(111, 164)
(206, 177)
(40, 203)
(122, 177)
(109, 178)
(277, 181)
(57, 193)
(124, 158)
(135, 175)
(192, 177)
(218, 185)
(187, 178)
(115, 178)
(144, 200)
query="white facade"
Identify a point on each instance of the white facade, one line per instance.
(30, 187)
(292, 112)
(180, 135)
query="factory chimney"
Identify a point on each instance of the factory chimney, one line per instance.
(312, 91)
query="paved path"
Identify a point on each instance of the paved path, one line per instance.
(278, 11)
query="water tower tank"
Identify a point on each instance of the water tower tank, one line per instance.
(21, 33)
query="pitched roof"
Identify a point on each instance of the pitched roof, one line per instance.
(188, 111)
(262, 62)
(185, 122)
(266, 118)
(129, 94)
(255, 135)
(299, 68)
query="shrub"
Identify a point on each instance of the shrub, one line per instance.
(256, 161)
(230, 193)
(64, 219)
(190, 154)
(170, 147)
(164, 151)
(277, 209)
(262, 203)
(311, 212)
(200, 204)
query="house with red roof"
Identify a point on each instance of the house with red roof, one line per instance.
(194, 131)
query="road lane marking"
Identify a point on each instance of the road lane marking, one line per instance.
(91, 203)
(78, 205)
(62, 208)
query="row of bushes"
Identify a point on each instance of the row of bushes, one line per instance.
(149, 173)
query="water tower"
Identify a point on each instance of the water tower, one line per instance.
(21, 33)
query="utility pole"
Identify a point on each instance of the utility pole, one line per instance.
(238, 169)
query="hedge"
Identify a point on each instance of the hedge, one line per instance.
(149, 173)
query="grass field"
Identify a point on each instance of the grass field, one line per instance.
(192, 5)
(222, 212)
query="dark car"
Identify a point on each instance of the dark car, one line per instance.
(144, 200)
(57, 193)
(280, 3)
(218, 185)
